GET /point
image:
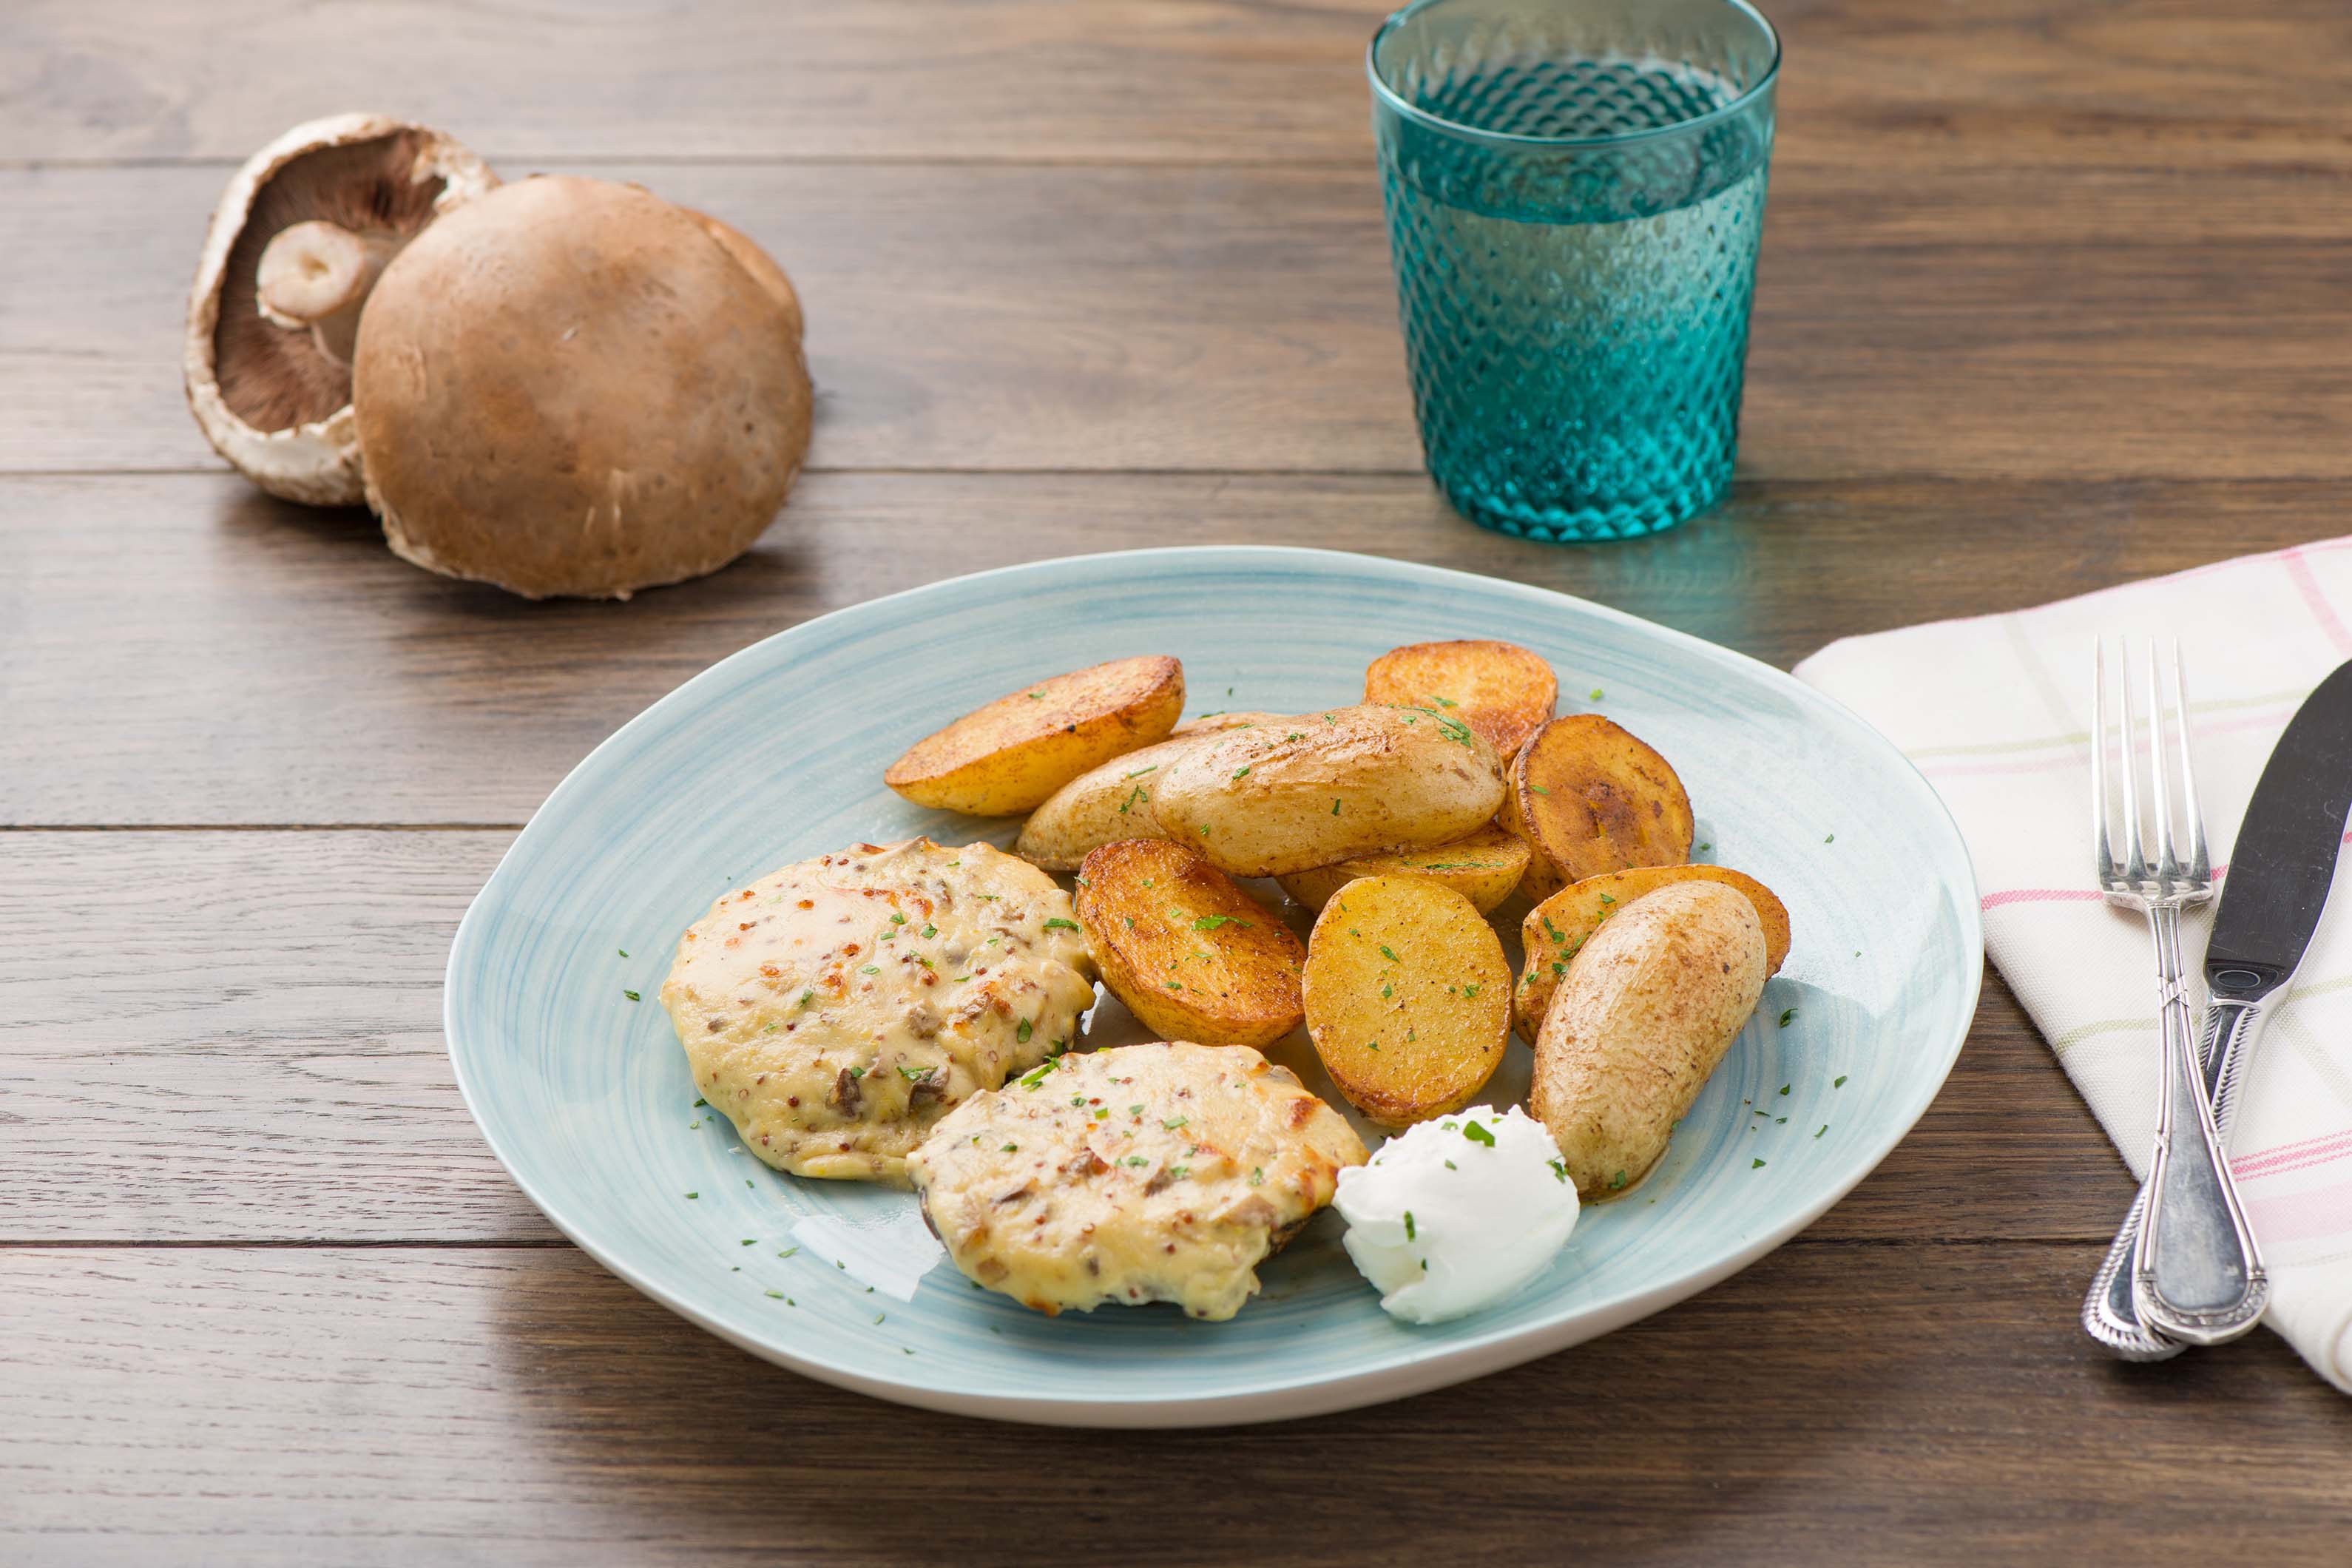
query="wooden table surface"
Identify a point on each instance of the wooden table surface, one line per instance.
(2054, 293)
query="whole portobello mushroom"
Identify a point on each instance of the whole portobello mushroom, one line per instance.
(568, 387)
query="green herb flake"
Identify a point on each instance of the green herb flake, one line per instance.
(622, 951)
(1390, 954)
(632, 996)
(857, 1072)
(913, 1075)
(1704, 847)
(1838, 1082)
(1036, 1075)
(1411, 1233)
(1757, 1166)
(1241, 773)
(1335, 808)
(871, 969)
(1784, 1088)
(1024, 1030)
(1595, 695)
(788, 1252)
(1204, 830)
(694, 1194)
(806, 996)
(1471, 991)
(1787, 1014)
(700, 1104)
(1058, 923)
(1140, 771)
(1180, 1121)
(1558, 1169)
(1825, 1126)
(750, 1241)
(1539, 789)
(1617, 1180)
(1257, 1175)
(1211, 922)
(775, 1295)
(1477, 1134)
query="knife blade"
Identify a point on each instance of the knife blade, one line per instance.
(2284, 858)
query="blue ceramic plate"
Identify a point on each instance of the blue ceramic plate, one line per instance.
(777, 754)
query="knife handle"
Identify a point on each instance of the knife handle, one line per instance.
(2197, 1276)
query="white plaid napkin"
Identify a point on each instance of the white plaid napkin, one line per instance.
(1996, 713)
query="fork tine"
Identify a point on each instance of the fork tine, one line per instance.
(2160, 772)
(2135, 855)
(2200, 868)
(2099, 809)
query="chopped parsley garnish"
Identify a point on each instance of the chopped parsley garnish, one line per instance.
(871, 969)
(913, 1075)
(1133, 795)
(1180, 1121)
(632, 996)
(1140, 771)
(1009, 1149)
(750, 1241)
(1335, 808)
(1058, 923)
(896, 919)
(1787, 1014)
(788, 1252)
(1211, 922)
(857, 1072)
(1390, 954)
(1257, 1175)
(1539, 789)
(1830, 839)
(1477, 1134)
(1558, 1169)
(775, 1295)
(1839, 1082)
(1204, 830)
(1595, 696)
(1178, 1173)
(1825, 1126)
(1241, 772)
(806, 996)
(1757, 1166)
(622, 951)
(694, 1194)
(1616, 1181)
(1035, 696)
(700, 1103)
(1470, 991)
(1024, 1030)
(1036, 1075)
(1784, 1088)
(1411, 1233)
(1704, 847)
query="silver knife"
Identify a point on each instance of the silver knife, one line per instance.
(2280, 871)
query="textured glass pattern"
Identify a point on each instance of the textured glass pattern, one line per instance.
(1573, 217)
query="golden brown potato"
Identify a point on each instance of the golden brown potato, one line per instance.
(1101, 806)
(1008, 757)
(1499, 688)
(1482, 868)
(1319, 789)
(1218, 723)
(1556, 929)
(1637, 1023)
(1189, 953)
(1588, 797)
(1408, 998)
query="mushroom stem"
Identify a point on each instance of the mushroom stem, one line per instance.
(318, 274)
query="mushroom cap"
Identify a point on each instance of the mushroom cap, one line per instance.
(573, 388)
(266, 398)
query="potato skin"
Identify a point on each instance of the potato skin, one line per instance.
(1218, 723)
(1643, 1015)
(1500, 690)
(1555, 931)
(1009, 756)
(1588, 797)
(1483, 868)
(1322, 787)
(1407, 996)
(1191, 955)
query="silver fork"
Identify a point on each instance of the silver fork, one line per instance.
(2196, 1275)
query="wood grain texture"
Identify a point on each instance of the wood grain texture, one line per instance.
(182, 649)
(1961, 318)
(249, 1050)
(1832, 1403)
(2146, 82)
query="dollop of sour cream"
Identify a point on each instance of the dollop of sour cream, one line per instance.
(1457, 1213)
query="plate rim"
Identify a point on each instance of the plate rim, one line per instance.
(1325, 1393)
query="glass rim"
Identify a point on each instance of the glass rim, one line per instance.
(1388, 96)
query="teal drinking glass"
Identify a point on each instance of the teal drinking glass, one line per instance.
(1574, 189)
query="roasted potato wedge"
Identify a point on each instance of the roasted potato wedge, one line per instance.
(1101, 806)
(1191, 954)
(1639, 1021)
(1588, 797)
(1218, 723)
(1500, 690)
(1555, 931)
(1483, 868)
(1408, 998)
(1319, 789)
(1010, 756)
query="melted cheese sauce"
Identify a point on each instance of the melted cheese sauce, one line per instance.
(836, 1009)
(1154, 1173)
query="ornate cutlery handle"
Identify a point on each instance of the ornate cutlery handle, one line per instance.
(2108, 1315)
(2197, 1275)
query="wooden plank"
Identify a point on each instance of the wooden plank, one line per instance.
(1917, 321)
(256, 1054)
(1179, 80)
(182, 649)
(1832, 1404)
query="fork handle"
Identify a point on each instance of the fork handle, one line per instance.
(2108, 1315)
(2197, 1276)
